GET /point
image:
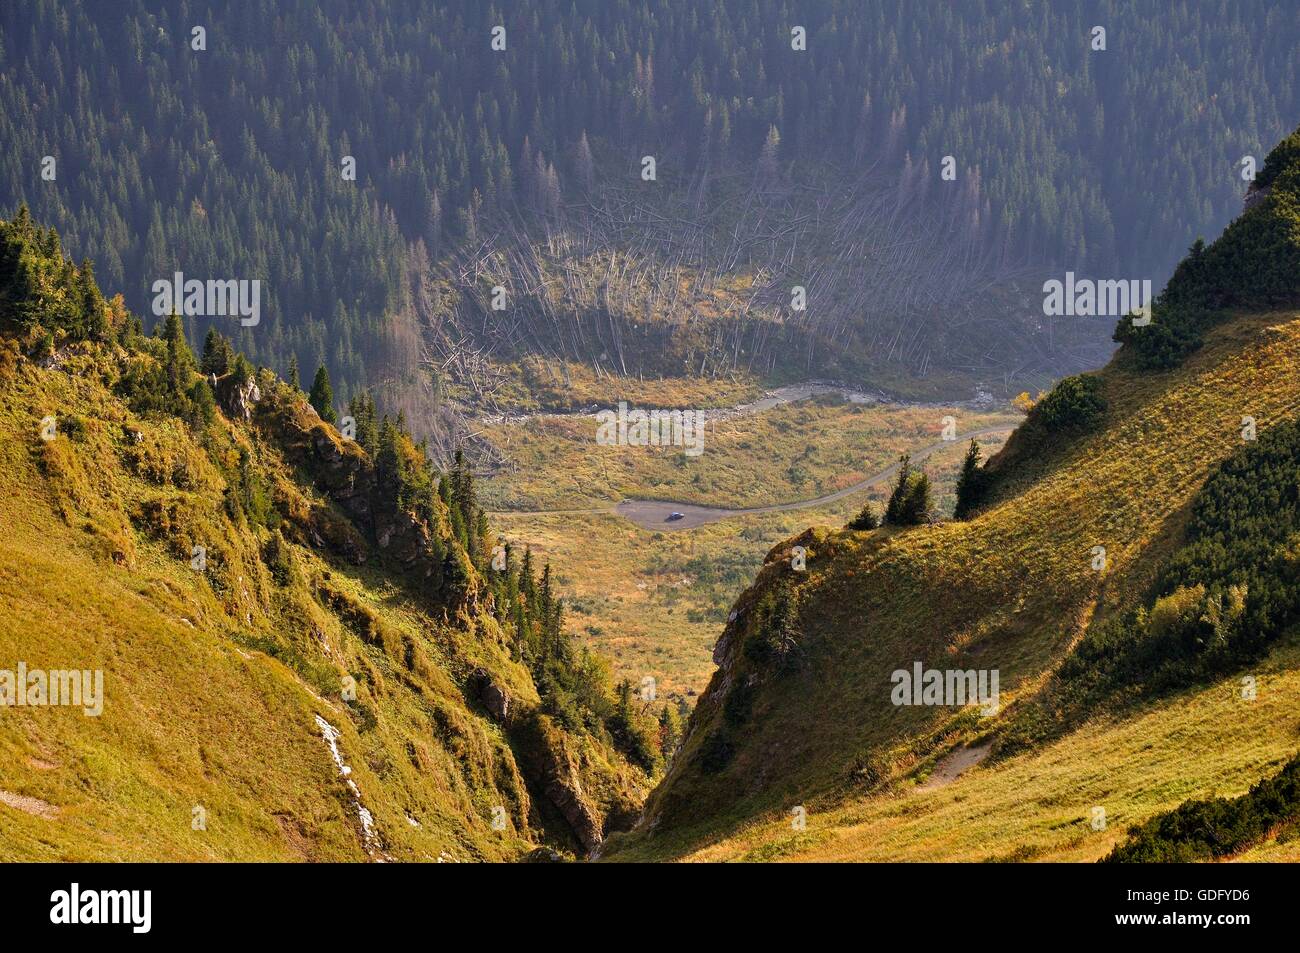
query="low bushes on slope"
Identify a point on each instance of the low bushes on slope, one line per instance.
(1074, 404)
(1220, 602)
(1216, 827)
(1074, 407)
(1231, 590)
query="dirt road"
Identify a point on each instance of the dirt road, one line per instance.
(654, 514)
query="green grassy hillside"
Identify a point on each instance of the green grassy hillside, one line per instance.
(343, 610)
(1100, 578)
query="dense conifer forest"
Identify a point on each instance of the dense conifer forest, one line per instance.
(227, 159)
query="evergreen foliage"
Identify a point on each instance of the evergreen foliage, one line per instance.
(866, 518)
(245, 179)
(972, 483)
(321, 396)
(1254, 265)
(1210, 829)
(1226, 595)
(1074, 404)
(911, 502)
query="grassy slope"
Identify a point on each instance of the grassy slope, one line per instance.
(1011, 590)
(1039, 806)
(197, 713)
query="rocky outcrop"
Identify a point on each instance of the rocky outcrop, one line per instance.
(491, 694)
(237, 401)
(405, 540)
(341, 469)
(553, 769)
(1255, 196)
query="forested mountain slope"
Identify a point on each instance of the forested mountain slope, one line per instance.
(311, 646)
(1129, 571)
(523, 166)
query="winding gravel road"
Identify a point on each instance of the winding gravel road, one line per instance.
(654, 514)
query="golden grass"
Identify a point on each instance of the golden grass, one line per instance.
(197, 713)
(792, 452)
(1040, 805)
(1012, 590)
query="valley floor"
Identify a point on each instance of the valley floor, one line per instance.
(653, 594)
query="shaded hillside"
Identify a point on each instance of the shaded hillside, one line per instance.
(270, 603)
(221, 155)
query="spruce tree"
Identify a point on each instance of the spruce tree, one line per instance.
(180, 359)
(94, 318)
(217, 354)
(970, 484)
(362, 409)
(322, 396)
(894, 508)
(919, 504)
(866, 518)
(527, 580)
(911, 502)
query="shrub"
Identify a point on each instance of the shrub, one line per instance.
(279, 559)
(866, 518)
(203, 405)
(634, 732)
(73, 427)
(1024, 403)
(910, 504)
(1216, 827)
(1075, 403)
(1226, 595)
(1173, 334)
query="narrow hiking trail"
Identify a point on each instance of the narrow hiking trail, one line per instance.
(655, 514)
(954, 765)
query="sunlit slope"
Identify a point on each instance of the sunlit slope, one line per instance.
(209, 747)
(1042, 806)
(1010, 590)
